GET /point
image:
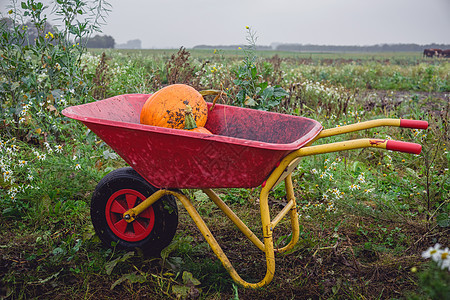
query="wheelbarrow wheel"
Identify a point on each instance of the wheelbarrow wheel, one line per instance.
(121, 190)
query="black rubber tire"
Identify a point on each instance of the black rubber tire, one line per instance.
(164, 213)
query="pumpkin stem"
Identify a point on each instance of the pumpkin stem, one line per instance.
(189, 121)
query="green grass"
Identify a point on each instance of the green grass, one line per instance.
(315, 56)
(380, 71)
(365, 215)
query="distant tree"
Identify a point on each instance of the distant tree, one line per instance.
(135, 44)
(349, 48)
(100, 41)
(131, 44)
(7, 23)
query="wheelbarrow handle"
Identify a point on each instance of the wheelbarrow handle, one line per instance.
(403, 147)
(417, 124)
(356, 144)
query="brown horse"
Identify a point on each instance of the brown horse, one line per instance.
(445, 53)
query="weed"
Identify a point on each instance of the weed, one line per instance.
(237, 196)
(253, 91)
(43, 75)
(180, 70)
(101, 79)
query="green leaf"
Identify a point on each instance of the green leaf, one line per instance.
(273, 103)
(357, 167)
(57, 94)
(443, 220)
(58, 251)
(267, 93)
(412, 172)
(109, 266)
(11, 212)
(109, 155)
(181, 290)
(77, 246)
(279, 92)
(263, 85)
(200, 196)
(174, 245)
(240, 97)
(254, 72)
(41, 281)
(237, 81)
(131, 277)
(188, 279)
(250, 102)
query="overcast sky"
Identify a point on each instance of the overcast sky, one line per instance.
(176, 23)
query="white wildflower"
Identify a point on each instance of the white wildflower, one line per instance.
(58, 148)
(361, 178)
(353, 187)
(432, 252)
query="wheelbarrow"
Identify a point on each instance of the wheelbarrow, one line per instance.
(136, 207)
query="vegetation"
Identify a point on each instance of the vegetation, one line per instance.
(366, 216)
(100, 41)
(379, 48)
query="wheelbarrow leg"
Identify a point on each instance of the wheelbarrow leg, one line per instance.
(268, 225)
(267, 233)
(293, 214)
(234, 218)
(268, 243)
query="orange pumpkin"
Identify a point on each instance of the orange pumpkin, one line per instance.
(166, 107)
(200, 130)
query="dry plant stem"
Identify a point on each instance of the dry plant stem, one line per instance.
(355, 262)
(218, 94)
(214, 101)
(437, 209)
(325, 248)
(427, 165)
(422, 237)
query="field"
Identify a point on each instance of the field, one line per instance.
(365, 215)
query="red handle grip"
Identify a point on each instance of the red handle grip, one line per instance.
(404, 147)
(413, 124)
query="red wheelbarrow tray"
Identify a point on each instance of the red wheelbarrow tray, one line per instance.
(245, 147)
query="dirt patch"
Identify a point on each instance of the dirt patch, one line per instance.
(435, 103)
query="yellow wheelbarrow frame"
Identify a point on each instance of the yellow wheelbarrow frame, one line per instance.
(282, 172)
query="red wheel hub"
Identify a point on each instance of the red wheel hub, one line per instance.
(120, 202)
